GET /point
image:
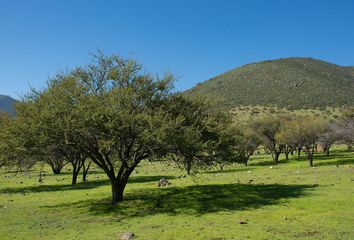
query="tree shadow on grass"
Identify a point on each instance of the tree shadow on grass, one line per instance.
(191, 200)
(78, 186)
(268, 162)
(335, 158)
(229, 170)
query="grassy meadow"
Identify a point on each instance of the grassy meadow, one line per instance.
(285, 201)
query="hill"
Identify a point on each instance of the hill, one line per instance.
(7, 104)
(294, 83)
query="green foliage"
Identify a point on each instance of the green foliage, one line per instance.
(250, 140)
(116, 115)
(293, 83)
(267, 129)
(302, 132)
(202, 137)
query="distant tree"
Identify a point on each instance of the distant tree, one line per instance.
(250, 141)
(13, 132)
(190, 145)
(55, 160)
(328, 137)
(288, 149)
(49, 118)
(268, 128)
(203, 137)
(4, 123)
(304, 132)
(226, 141)
(345, 128)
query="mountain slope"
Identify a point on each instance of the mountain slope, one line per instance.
(291, 82)
(7, 104)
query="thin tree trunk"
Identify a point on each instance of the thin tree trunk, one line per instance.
(74, 178)
(56, 166)
(221, 167)
(56, 170)
(188, 167)
(309, 152)
(76, 170)
(85, 169)
(287, 155)
(310, 158)
(276, 157)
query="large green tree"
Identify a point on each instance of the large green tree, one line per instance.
(117, 115)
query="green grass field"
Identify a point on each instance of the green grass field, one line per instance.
(284, 201)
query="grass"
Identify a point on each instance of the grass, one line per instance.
(284, 201)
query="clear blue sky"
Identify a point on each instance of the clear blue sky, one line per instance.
(193, 39)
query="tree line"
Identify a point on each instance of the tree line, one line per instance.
(114, 114)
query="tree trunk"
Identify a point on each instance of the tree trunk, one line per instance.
(221, 167)
(56, 170)
(56, 166)
(310, 158)
(327, 152)
(117, 191)
(310, 150)
(74, 178)
(76, 170)
(188, 167)
(85, 170)
(276, 157)
(298, 152)
(287, 154)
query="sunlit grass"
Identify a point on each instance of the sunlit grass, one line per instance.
(284, 201)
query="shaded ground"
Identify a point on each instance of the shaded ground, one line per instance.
(198, 199)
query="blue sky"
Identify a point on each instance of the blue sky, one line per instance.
(194, 39)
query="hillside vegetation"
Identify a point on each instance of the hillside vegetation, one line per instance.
(246, 113)
(7, 104)
(293, 83)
